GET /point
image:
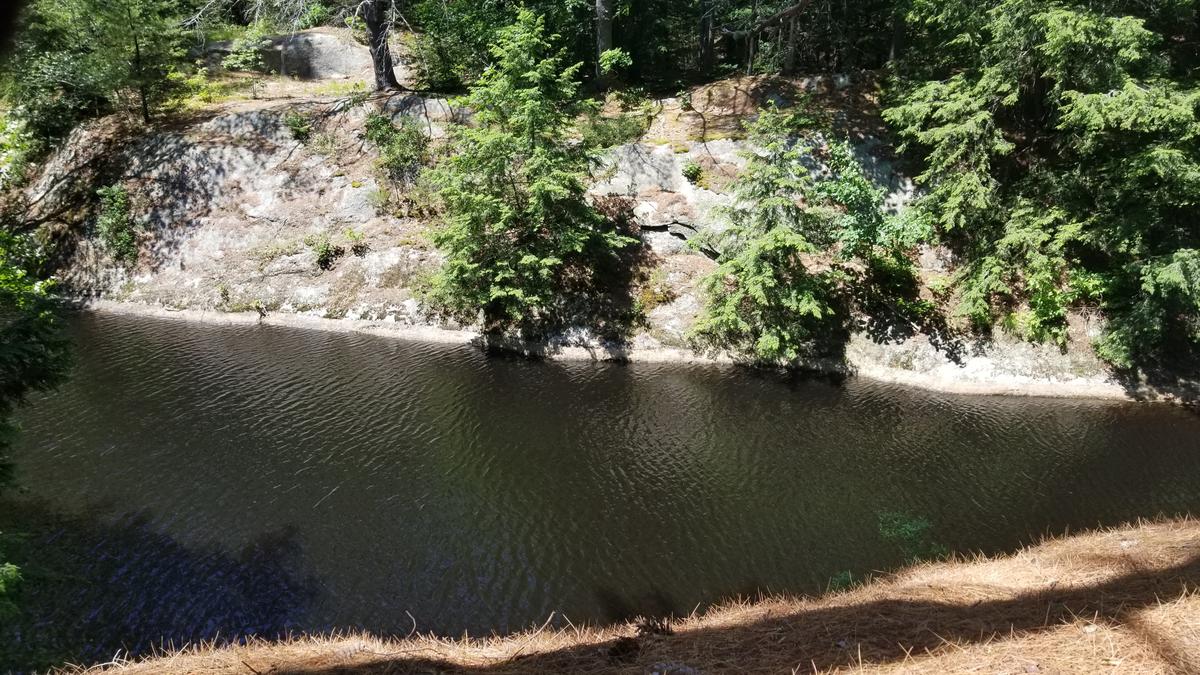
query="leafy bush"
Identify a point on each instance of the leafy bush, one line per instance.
(452, 48)
(763, 302)
(613, 61)
(326, 251)
(116, 227)
(403, 149)
(10, 576)
(299, 124)
(358, 242)
(693, 172)
(15, 151)
(315, 14)
(246, 51)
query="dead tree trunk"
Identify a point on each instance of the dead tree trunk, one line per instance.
(375, 15)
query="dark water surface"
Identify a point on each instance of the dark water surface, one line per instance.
(193, 481)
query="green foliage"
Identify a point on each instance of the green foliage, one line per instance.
(77, 59)
(524, 248)
(299, 124)
(10, 576)
(776, 295)
(403, 148)
(358, 241)
(842, 581)
(33, 352)
(763, 302)
(246, 51)
(15, 152)
(912, 535)
(452, 48)
(693, 172)
(629, 125)
(326, 251)
(1060, 150)
(315, 14)
(855, 202)
(115, 226)
(613, 61)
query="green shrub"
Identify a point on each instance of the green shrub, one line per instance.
(116, 227)
(358, 28)
(842, 581)
(403, 149)
(614, 61)
(598, 131)
(300, 124)
(762, 301)
(358, 242)
(246, 51)
(315, 14)
(693, 172)
(326, 251)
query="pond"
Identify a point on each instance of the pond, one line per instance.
(192, 482)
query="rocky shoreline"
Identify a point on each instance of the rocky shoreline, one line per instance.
(862, 361)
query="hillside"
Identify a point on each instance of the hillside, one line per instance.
(232, 208)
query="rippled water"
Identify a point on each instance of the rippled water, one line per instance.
(194, 481)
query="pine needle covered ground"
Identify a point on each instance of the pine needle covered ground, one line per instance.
(1117, 601)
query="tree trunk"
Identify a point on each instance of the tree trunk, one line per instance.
(793, 43)
(751, 39)
(137, 65)
(375, 16)
(604, 36)
(898, 32)
(706, 36)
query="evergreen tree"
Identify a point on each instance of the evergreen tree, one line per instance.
(523, 246)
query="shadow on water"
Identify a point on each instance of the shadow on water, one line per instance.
(875, 632)
(95, 589)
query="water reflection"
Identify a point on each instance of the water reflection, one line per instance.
(192, 481)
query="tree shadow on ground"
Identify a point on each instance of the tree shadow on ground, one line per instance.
(93, 588)
(878, 632)
(1177, 378)
(888, 301)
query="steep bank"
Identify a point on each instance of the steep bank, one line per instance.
(233, 209)
(1123, 600)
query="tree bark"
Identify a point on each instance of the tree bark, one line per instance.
(706, 58)
(750, 39)
(137, 65)
(604, 36)
(899, 26)
(375, 16)
(793, 43)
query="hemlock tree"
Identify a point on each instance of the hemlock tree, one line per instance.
(523, 245)
(763, 300)
(1061, 145)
